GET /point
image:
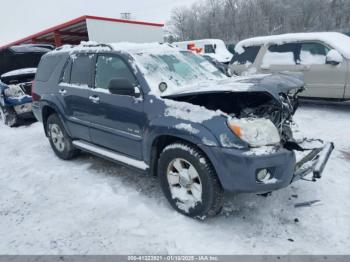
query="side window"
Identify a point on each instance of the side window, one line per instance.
(285, 54)
(313, 53)
(66, 72)
(46, 67)
(111, 67)
(81, 73)
(209, 49)
(247, 57)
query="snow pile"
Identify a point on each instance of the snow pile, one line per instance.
(190, 112)
(338, 41)
(187, 127)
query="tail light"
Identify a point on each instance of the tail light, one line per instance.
(35, 96)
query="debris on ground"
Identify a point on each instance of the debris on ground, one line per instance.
(308, 203)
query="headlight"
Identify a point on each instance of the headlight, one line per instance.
(256, 132)
(13, 91)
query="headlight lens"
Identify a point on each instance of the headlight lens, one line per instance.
(256, 132)
(13, 91)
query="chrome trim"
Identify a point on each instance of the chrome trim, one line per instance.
(110, 154)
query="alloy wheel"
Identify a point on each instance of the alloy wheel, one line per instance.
(184, 182)
(57, 137)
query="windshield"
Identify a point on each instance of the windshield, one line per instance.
(177, 69)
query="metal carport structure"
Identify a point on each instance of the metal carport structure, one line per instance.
(77, 30)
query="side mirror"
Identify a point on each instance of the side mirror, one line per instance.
(122, 86)
(334, 57)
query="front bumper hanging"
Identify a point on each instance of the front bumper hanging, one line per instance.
(315, 161)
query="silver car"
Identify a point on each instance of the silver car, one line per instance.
(324, 58)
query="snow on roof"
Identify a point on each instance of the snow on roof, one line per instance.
(20, 72)
(335, 40)
(208, 40)
(144, 48)
(122, 46)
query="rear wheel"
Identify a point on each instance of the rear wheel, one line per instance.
(189, 182)
(8, 116)
(60, 141)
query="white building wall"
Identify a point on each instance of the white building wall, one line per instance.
(110, 32)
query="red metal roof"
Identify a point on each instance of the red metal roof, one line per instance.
(71, 32)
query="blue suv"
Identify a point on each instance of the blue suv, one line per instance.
(172, 114)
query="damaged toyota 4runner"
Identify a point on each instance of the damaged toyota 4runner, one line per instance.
(172, 114)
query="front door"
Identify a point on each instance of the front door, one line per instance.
(117, 121)
(321, 79)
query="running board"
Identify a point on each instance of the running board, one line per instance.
(100, 151)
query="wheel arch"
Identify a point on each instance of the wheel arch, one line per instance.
(162, 141)
(46, 111)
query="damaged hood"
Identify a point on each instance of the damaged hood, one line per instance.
(271, 83)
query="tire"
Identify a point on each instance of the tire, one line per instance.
(60, 141)
(189, 181)
(8, 116)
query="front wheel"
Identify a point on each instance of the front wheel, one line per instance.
(189, 182)
(59, 139)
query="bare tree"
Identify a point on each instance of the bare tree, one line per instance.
(233, 20)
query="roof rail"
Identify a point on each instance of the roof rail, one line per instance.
(63, 46)
(97, 45)
(85, 45)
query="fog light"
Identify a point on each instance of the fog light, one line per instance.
(263, 175)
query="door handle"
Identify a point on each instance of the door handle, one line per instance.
(94, 99)
(62, 91)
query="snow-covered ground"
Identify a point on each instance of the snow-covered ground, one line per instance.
(91, 206)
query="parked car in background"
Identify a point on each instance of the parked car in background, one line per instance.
(17, 71)
(22, 56)
(15, 96)
(214, 48)
(323, 58)
(170, 113)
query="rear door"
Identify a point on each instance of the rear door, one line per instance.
(74, 91)
(117, 120)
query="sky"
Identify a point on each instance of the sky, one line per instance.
(20, 18)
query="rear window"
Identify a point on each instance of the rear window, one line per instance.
(66, 72)
(81, 73)
(46, 67)
(248, 56)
